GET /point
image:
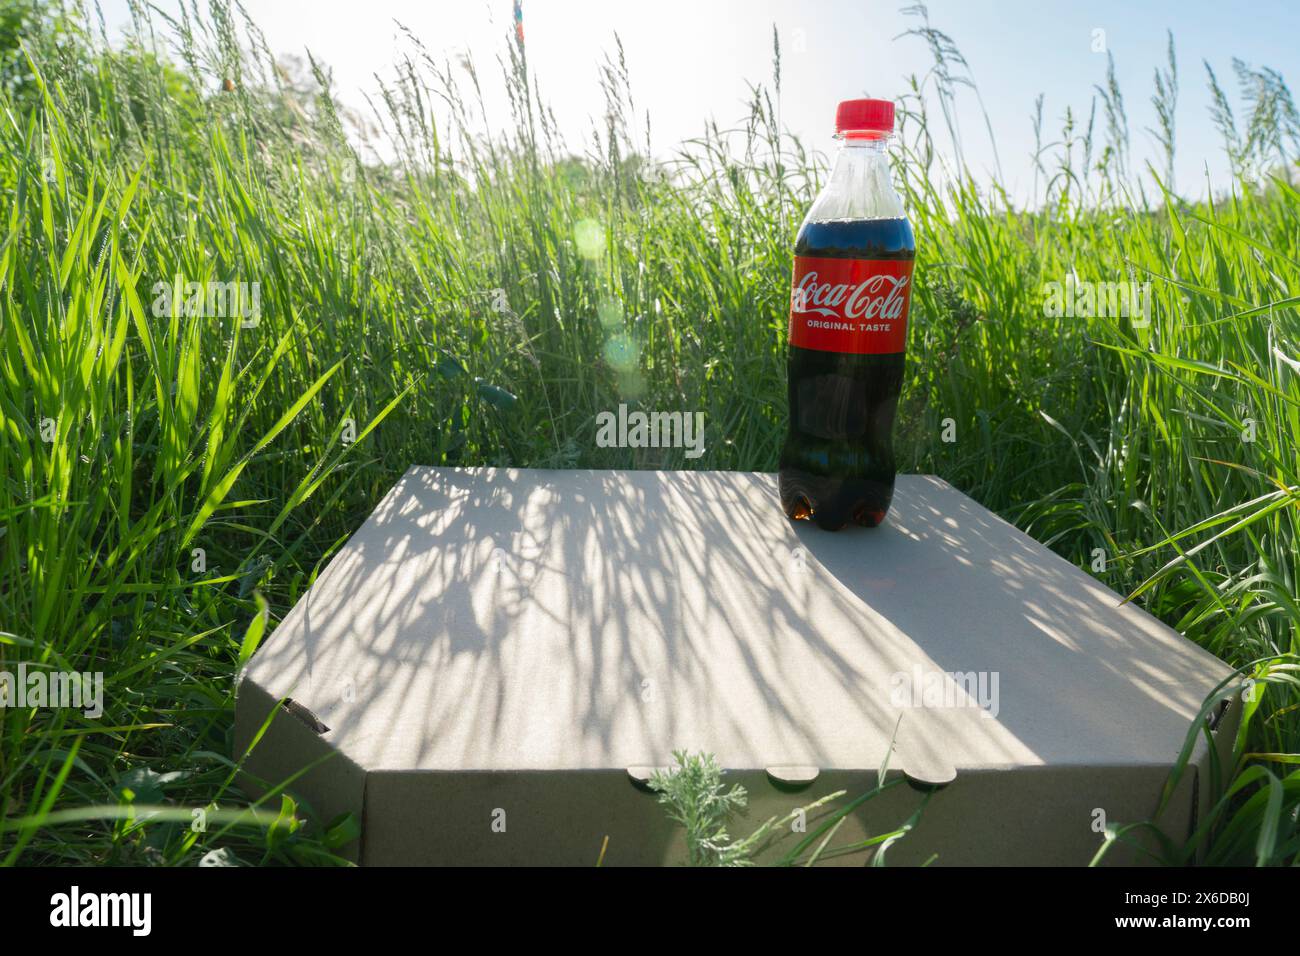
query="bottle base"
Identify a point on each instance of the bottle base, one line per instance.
(834, 503)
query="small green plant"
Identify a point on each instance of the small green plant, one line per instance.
(695, 797)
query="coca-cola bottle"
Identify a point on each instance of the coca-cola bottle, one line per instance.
(848, 330)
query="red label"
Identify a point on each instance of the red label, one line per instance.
(850, 305)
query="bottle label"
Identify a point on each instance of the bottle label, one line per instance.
(850, 305)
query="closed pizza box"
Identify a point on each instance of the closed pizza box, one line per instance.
(491, 668)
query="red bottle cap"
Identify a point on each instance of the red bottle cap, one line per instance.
(864, 119)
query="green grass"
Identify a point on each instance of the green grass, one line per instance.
(479, 300)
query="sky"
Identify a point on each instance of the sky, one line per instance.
(693, 59)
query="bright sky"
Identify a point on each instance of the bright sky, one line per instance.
(691, 59)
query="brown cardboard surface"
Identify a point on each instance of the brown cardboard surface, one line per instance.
(516, 640)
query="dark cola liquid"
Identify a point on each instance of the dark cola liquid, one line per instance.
(837, 465)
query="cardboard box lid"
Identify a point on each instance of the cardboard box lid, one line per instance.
(490, 619)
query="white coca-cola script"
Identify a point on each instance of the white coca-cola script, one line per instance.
(877, 297)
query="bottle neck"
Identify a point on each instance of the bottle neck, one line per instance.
(862, 146)
(860, 185)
